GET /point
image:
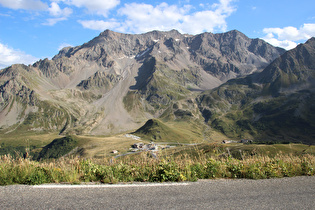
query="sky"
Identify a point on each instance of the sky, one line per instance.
(36, 29)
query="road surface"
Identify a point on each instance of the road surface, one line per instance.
(285, 193)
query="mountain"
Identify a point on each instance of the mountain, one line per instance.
(277, 104)
(116, 82)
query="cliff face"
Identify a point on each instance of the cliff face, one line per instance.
(115, 82)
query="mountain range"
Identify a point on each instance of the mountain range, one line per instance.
(209, 83)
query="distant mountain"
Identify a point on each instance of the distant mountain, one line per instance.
(277, 104)
(116, 82)
(293, 71)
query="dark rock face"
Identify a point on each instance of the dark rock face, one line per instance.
(100, 81)
(115, 82)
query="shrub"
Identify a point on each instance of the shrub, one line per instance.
(143, 168)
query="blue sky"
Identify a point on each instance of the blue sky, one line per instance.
(35, 29)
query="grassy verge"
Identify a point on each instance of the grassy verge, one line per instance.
(143, 168)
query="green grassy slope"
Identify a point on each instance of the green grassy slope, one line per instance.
(277, 104)
(177, 132)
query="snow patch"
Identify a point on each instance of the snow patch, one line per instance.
(131, 57)
(143, 53)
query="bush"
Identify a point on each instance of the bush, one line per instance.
(144, 168)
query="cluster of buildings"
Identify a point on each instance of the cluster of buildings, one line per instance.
(145, 147)
(139, 147)
(244, 141)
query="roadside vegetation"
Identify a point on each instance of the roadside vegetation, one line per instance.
(208, 161)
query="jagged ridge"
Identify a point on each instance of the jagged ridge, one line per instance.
(116, 82)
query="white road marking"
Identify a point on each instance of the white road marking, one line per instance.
(61, 186)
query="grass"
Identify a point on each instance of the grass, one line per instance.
(175, 131)
(101, 147)
(238, 150)
(89, 146)
(168, 167)
(27, 138)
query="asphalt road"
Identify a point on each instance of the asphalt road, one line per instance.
(285, 193)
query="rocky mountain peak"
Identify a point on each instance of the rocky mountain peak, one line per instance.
(109, 33)
(232, 35)
(160, 34)
(310, 42)
(294, 69)
(117, 81)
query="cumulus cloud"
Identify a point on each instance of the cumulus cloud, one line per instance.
(24, 4)
(56, 11)
(288, 37)
(145, 17)
(166, 17)
(286, 44)
(9, 56)
(58, 14)
(204, 21)
(100, 7)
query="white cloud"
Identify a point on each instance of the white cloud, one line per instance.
(99, 25)
(100, 7)
(58, 13)
(53, 21)
(208, 21)
(55, 10)
(286, 44)
(24, 4)
(145, 17)
(9, 56)
(288, 37)
(141, 18)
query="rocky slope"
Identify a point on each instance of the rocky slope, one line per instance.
(277, 104)
(115, 82)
